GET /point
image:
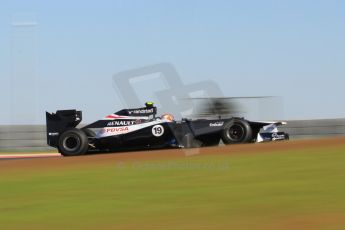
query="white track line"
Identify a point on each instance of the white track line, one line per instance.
(27, 155)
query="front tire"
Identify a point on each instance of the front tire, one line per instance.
(237, 131)
(73, 142)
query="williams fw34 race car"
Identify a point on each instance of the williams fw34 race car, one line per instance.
(140, 128)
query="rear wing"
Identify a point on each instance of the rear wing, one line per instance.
(59, 122)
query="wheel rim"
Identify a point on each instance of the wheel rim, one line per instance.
(71, 143)
(236, 133)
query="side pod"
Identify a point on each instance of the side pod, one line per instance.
(59, 122)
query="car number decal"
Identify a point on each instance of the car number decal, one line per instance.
(157, 130)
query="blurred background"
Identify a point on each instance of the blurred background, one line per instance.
(68, 54)
(63, 54)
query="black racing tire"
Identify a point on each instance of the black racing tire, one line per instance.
(73, 142)
(237, 131)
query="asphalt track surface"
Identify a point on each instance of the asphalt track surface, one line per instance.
(281, 146)
(16, 156)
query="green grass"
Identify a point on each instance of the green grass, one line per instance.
(290, 190)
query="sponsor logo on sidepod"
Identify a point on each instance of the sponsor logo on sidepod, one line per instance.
(53, 134)
(217, 124)
(120, 123)
(116, 130)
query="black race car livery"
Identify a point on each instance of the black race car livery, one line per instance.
(140, 128)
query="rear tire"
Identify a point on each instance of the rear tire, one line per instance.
(237, 131)
(73, 142)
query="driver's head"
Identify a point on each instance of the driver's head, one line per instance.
(167, 117)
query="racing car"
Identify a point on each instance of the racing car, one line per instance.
(141, 128)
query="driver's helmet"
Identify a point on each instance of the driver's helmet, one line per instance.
(167, 117)
(149, 104)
